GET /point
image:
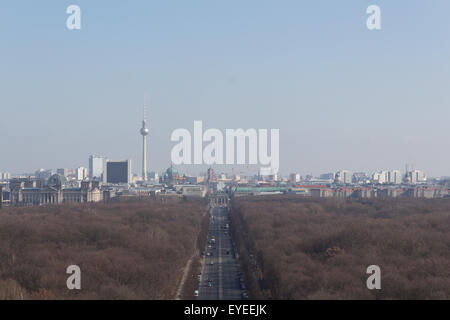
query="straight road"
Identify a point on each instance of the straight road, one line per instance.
(220, 278)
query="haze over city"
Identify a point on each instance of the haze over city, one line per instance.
(342, 97)
(224, 156)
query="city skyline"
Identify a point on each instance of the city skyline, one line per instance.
(341, 95)
(381, 175)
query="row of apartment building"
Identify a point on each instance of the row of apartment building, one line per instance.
(348, 192)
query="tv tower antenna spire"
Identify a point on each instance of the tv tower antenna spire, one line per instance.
(144, 133)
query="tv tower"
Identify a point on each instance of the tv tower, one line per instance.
(144, 133)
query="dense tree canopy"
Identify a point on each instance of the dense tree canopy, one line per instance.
(126, 250)
(308, 248)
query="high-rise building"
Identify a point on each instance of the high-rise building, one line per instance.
(417, 176)
(294, 177)
(96, 167)
(118, 171)
(62, 172)
(395, 177)
(360, 178)
(381, 177)
(144, 133)
(81, 173)
(5, 176)
(343, 176)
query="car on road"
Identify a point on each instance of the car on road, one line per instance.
(244, 295)
(211, 263)
(196, 293)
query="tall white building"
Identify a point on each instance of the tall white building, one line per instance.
(96, 167)
(81, 173)
(4, 176)
(415, 177)
(418, 176)
(380, 177)
(343, 176)
(395, 177)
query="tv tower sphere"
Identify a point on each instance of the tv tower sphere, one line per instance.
(144, 131)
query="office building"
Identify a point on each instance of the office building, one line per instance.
(327, 176)
(343, 177)
(360, 178)
(381, 177)
(5, 176)
(96, 167)
(81, 173)
(294, 177)
(395, 177)
(417, 176)
(118, 172)
(62, 172)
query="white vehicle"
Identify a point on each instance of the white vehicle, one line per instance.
(196, 293)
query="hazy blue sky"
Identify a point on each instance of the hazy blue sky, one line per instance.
(342, 96)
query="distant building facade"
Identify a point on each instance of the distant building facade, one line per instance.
(343, 177)
(96, 167)
(81, 173)
(43, 174)
(153, 177)
(395, 177)
(327, 176)
(26, 192)
(118, 172)
(294, 177)
(191, 190)
(62, 172)
(5, 176)
(171, 176)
